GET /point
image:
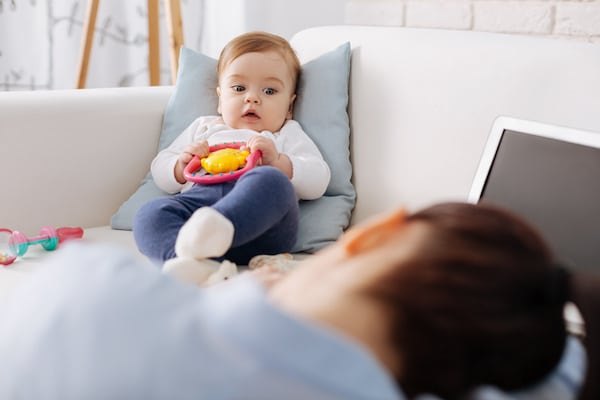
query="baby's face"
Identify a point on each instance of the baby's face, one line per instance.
(256, 92)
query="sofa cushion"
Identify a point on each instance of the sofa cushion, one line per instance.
(321, 109)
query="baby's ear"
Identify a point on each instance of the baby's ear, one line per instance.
(218, 90)
(290, 113)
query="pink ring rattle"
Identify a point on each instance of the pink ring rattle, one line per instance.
(191, 171)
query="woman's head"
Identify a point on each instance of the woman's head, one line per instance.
(448, 298)
(257, 75)
(479, 303)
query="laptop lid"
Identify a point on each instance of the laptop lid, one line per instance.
(550, 175)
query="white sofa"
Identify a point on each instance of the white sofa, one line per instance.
(421, 106)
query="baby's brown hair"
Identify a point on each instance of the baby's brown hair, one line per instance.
(258, 42)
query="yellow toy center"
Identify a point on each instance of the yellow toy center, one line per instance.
(224, 160)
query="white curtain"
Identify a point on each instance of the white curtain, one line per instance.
(40, 40)
(40, 43)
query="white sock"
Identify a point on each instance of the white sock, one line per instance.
(206, 234)
(190, 270)
(200, 272)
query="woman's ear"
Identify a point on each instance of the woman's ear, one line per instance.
(372, 232)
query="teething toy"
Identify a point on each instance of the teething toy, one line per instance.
(224, 160)
(224, 163)
(49, 238)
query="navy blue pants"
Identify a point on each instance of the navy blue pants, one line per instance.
(261, 204)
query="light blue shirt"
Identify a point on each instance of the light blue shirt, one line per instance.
(98, 323)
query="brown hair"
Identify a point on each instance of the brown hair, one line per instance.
(479, 303)
(258, 42)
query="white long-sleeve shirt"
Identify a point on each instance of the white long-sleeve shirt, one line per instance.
(311, 173)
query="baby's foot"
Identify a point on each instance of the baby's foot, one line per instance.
(206, 234)
(200, 272)
(226, 271)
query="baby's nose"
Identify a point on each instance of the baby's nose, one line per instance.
(251, 97)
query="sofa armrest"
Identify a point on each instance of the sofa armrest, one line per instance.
(71, 157)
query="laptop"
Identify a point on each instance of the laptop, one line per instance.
(550, 175)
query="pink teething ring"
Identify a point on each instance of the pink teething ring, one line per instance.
(7, 258)
(17, 243)
(190, 172)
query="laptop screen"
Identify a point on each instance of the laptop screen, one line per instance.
(554, 184)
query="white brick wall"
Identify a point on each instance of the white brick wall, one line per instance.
(573, 19)
(380, 12)
(441, 14)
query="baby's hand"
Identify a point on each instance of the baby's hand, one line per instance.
(267, 148)
(270, 155)
(200, 149)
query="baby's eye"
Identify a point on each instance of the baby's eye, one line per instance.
(269, 91)
(238, 88)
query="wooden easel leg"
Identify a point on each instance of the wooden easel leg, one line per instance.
(153, 43)
(86, 43)
(175, 30)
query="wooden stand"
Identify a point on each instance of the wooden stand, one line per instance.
(174, 29)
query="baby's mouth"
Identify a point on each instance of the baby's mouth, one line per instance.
(250, 115)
